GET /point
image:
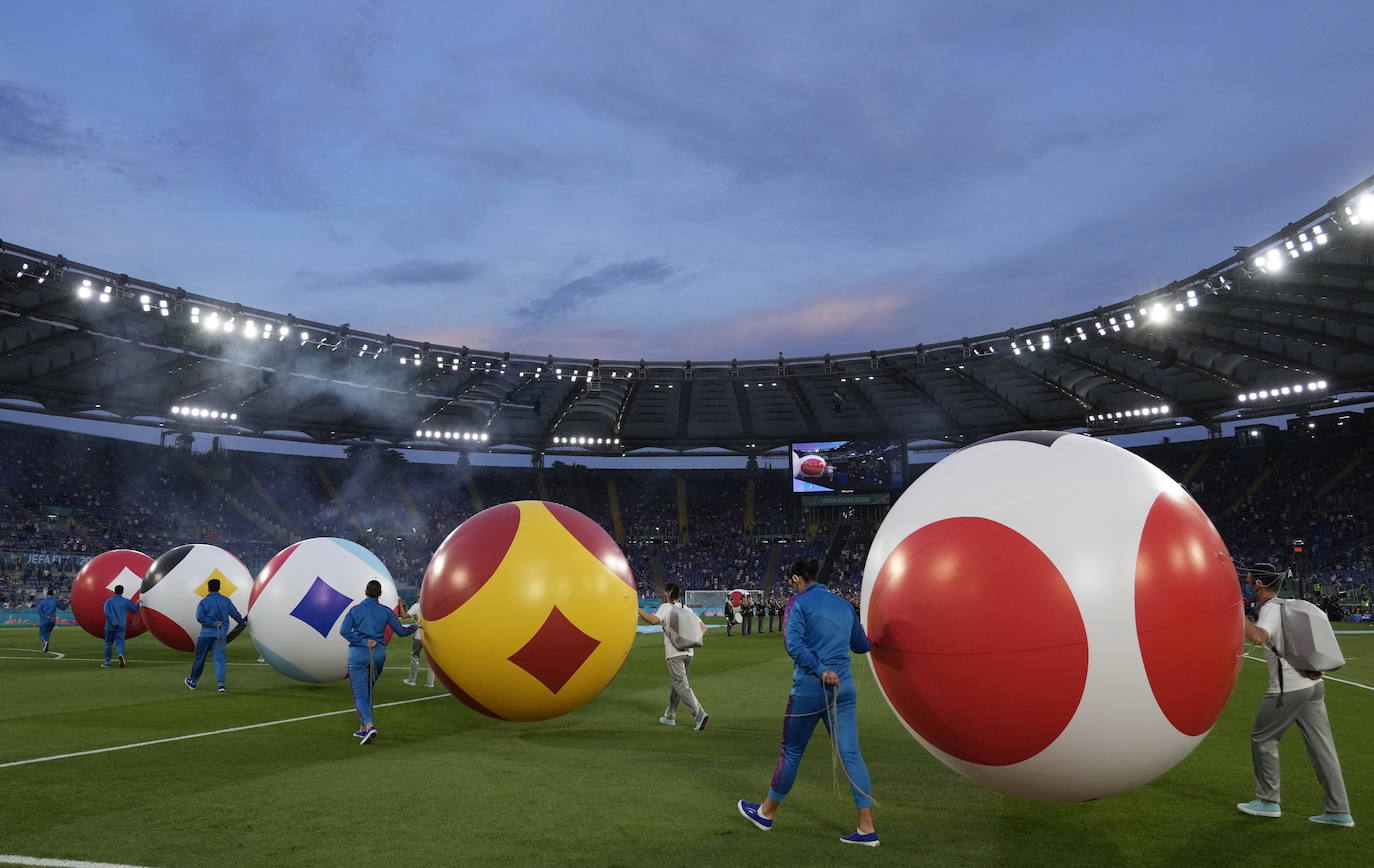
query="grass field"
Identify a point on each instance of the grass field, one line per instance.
(606, 785)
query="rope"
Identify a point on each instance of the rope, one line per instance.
(831, 710)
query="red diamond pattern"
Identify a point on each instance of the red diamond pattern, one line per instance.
(555, 652)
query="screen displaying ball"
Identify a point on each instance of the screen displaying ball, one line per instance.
(96, 583)
(812, 466)
(298, 604)
(529, 610)
(1052, 616)
(176, 583)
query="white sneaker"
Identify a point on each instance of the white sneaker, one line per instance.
(408, 682)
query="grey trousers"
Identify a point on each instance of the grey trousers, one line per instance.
(681, 691)
(1306, 708)
(417, 650)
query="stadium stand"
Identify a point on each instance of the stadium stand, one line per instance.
(1301, 498)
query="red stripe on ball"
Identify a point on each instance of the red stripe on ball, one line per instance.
(167, 631)
(467, 559)
(269, 571)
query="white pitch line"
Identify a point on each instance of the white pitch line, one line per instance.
(43, 655)
(10, 859)
(102, 659)
(43, 759)
(1325, 676)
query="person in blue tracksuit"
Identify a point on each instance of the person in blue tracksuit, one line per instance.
(117, 612)
(365, 629)
(821, 630)
(214, 613)
(47, 617)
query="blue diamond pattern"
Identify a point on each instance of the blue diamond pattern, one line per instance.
(321, 606)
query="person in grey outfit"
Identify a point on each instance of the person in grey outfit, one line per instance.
(679, 662)
(1294, 696)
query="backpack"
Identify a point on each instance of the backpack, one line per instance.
(1309, 643)
(683, 628)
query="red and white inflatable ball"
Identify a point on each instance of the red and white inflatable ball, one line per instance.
(813, 466)
(1052, 616)
(176, 583)
(96, 583)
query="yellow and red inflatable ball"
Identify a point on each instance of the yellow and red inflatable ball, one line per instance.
(528, 611)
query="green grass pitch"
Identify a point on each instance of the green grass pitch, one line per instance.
(605, 785)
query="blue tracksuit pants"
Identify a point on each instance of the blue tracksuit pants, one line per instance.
(360, 679)
(114, 637)
(206, 645)
(45, 628)
(806, 707)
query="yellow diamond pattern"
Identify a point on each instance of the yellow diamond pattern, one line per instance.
(226, 587)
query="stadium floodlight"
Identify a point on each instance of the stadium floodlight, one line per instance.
(305, 336)
(176, 411)
(1285, 390)
(1159, 313)
(1241, 397)
(83, 291)
(485, 437)
(617, 441)
(1321, 384)
(105, 295)
(1365, 210)
(233, 417)
(146, 301)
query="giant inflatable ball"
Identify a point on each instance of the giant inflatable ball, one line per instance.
(299, 600)
(529, 610)
(96, 583)
(1052, 616)
(176, 583)
(813, 467)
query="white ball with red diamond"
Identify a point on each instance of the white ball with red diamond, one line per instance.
(299, 601)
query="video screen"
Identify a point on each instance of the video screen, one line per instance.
(849, 466)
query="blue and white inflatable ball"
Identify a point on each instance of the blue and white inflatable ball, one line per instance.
(299, 601)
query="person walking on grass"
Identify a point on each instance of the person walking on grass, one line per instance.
(365, 629)
(214, 613)
(47, 617)
(417, 649)
(1293, 697)
(117, 612)
(679, 662)
(821, 630)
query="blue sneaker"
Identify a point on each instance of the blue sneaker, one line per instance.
(105, 665)
(189, 683)
(857, 837)
(667, 721)
(1260, 808)
(751, 813)
(360, 733)
(368, 736)
(1330, 819)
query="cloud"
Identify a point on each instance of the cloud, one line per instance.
(403, 274)
(576, 294)
(837, 319)
(33, 123)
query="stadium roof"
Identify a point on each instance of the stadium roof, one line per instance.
(1282, 326)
